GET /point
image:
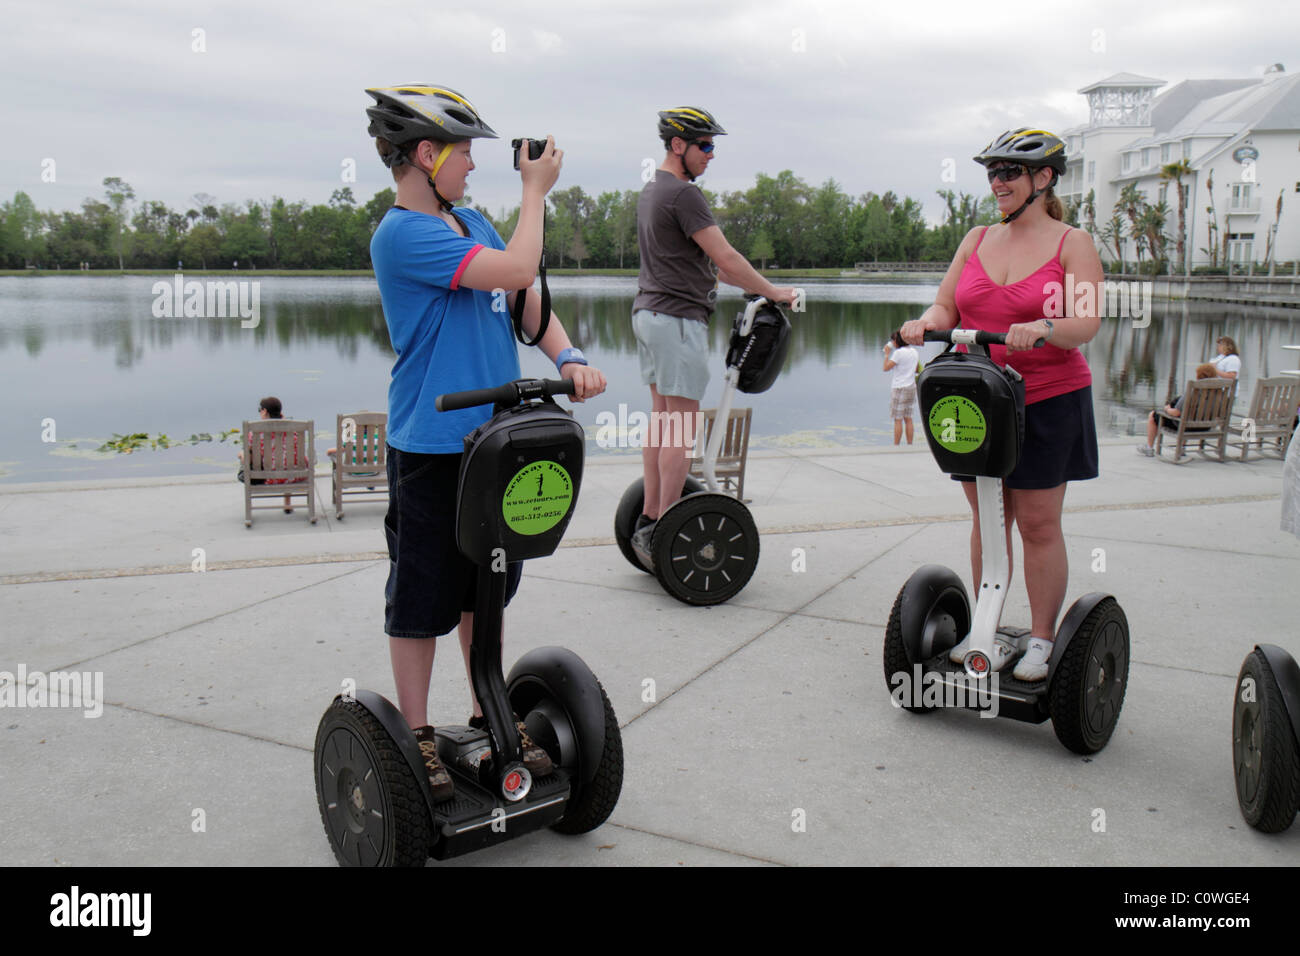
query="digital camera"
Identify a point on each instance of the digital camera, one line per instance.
(535, 147)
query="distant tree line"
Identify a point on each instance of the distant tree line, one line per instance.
(780, 221)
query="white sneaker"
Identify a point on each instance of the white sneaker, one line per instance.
(1033, 666)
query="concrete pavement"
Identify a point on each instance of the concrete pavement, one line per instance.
(739, 721)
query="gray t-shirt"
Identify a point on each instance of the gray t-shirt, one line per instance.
(676, 276)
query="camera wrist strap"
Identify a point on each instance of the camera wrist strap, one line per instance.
(517, 313)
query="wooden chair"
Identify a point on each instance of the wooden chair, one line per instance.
(361, 460)
(1271, 416)
(730, 469)
(281, 450)
(1207, 407)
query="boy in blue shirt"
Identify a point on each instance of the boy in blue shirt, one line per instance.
(437, 269)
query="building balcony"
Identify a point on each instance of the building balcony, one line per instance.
(1244, 207)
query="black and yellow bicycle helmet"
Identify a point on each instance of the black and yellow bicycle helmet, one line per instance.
(689, 122)
(417, 111)
(1033, 148)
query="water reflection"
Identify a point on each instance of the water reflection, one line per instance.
(88, 353)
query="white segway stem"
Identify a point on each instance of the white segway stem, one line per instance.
(719, 431)
(714, 448)
(995, 574)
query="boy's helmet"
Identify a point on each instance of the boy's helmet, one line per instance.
(406, 114)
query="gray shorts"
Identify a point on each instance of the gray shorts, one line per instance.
(674, 353)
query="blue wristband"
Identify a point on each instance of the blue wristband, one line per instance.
(570, 355)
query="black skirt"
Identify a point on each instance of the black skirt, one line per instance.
(1060, 443)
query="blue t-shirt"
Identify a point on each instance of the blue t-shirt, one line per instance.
(447, 339)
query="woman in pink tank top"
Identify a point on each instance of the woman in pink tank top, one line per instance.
(1011, 277)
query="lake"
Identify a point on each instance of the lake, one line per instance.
(84, 357)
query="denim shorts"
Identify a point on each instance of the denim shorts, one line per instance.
(429, 581)
(674, 353)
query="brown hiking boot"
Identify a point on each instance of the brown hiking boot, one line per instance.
(439, 779)
(536, 760)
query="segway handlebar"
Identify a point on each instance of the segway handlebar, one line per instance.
(971, 337)
(752, 304)
(520, 390)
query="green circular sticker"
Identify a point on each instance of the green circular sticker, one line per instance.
(537, 498)
(957, 424)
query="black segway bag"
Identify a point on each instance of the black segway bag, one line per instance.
(519, 483)
(760, 355)
(973, 414)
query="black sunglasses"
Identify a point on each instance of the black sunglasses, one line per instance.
(1006, 173)
(704, 147)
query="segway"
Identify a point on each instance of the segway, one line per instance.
(705, 546)
(972, 411)
(518, 485)
(1266, 738)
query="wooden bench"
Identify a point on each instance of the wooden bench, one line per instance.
(730, 469)
(361, 459)
(1269, 422)
(279, 450)
(1207, 407)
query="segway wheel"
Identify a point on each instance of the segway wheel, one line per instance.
(370, 804)
(705, 549)
(630, 508)
(1087, 690)
(1265, 753)
(936, 620)
(595, 801)
(554, 729)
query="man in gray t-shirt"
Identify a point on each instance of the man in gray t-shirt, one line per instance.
(683, 256)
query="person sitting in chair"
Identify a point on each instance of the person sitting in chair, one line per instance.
(267, 408)
(1172, 412)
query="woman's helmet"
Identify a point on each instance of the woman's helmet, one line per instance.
(688, 122)
(1034, 148)
(407, 114)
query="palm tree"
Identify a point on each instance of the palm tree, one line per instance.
(1112, 232)
(1131, 202)
(1277, 219)
(1176, 172)
(1212, 225)
(1152, 222)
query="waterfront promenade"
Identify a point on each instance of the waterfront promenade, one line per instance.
(740, 722)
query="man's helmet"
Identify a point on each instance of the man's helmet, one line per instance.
(1034, 148)
(688, 122)
(406, 114)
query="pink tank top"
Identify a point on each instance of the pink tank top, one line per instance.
(983, 304)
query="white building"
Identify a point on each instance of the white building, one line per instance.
(1245, 133)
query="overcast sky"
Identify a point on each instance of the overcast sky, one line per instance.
(267, 99)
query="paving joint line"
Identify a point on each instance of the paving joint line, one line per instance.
(695, 843)
(740, 647)
(44, 577)
(206, 620)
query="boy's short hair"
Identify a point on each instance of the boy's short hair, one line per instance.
(272, 406)
(1207, 370)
